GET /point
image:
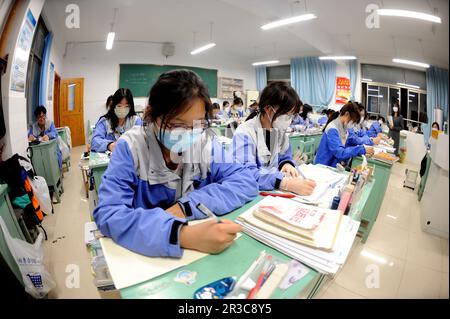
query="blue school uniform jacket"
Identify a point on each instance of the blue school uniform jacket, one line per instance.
(298, 120)
(50, 131)
(374, 129)
(332, 149)
(249, 146)
(137, 187)
(358, 136)
(103, 133)
(322, 120)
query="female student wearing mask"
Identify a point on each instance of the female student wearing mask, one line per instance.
(262, 140)
(359, 134)
(237, 109)
(397, 126)
(161, 171)
(333, 147)
(304, 117)
(44, 130)
(120, 118)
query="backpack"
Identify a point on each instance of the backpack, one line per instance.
(18, 179)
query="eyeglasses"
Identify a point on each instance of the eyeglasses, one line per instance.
(200, 124)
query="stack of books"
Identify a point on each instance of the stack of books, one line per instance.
(319, 237)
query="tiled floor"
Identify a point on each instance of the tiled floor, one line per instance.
(398, 260)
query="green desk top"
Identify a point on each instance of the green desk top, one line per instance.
(294, 134)
(234, 261)
(44, 144)
(374, 161)
(3, 188)
(98, 161)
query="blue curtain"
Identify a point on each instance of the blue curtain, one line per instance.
(437, 96)
(44, 70)
(261, 77)
(314, 80)
(353, 71)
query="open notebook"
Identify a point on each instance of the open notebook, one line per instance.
(128, 268)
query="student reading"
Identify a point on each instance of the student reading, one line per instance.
(333, 148)
(161, 171)
(120, 118)
(44, 130)
(262, 140)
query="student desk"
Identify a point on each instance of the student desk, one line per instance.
(9, 217)
(45, 163)
(98, 165)
(63, 132)
(234, 261)
(381, 174)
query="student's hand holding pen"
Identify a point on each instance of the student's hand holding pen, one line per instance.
(209, 237)
(289, 170)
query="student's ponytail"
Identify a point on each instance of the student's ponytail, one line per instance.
(252, 115)
(334, 116)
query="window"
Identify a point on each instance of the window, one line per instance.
(279, 73)
(413, 106)
(377, 99)
(34, 69)
(423, 117)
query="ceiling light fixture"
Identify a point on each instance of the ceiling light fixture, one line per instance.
(111, 34)
(265, 62)
(409, 85)
(367, 80)
(337, 57)
(409, 14)
(409, 62)
(283, 22)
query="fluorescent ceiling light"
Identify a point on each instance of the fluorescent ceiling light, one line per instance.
(380, 96)
(265, 62)
(282, 22)
(376, 90)
(390, 216)
(409, 85)
(415, 63)
(409, 14)
(367, 80)
(203, 48)
(110, 40)
(337, 57)
(374, 257)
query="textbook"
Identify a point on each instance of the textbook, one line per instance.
(321, 236)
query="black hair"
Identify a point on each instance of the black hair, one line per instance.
(278, 94)
(436, 124)
(330, 112)
(324, 111)
(350, 108)
(40, 109)
(172, 94)
(361, 108)
(117, 97)
(306, 109)
(382, 118)
(109, 101)
(372, 117)
(238, 101)
(225, 103)
(215, 106)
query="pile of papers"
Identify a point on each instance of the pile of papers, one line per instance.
(324, 246)
(328, 184)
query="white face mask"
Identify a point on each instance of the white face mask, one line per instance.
(240, 108)
(227, 109)
(121, 112)
(380, 121)
(309, 115)
(395, 109)
(282, 122)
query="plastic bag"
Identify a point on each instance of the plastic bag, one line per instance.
(65, 151)
(40, 189)
(28, 257)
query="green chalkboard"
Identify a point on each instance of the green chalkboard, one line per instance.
(139, 78)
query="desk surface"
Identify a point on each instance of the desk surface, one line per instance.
(98, 160)
(231, 262)
(234, 261)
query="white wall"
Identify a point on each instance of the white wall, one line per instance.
(342, 70)
(14, 103)
(100, 69)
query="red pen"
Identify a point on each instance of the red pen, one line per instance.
(261, 277)
(285, 195)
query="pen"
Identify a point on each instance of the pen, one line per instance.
(259, 282)
(277, 194)
(253, 266)
(207, 212)
(301, 173)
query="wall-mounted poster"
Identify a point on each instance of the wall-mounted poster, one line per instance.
(342, 90)
(22, 53)
(51, 75)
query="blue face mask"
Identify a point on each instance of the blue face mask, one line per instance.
(179, 140)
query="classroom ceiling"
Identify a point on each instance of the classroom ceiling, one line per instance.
(339, 29)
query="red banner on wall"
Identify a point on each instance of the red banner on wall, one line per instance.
(342, 90)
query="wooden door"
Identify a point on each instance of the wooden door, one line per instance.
(56, 97)
(71, 108)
